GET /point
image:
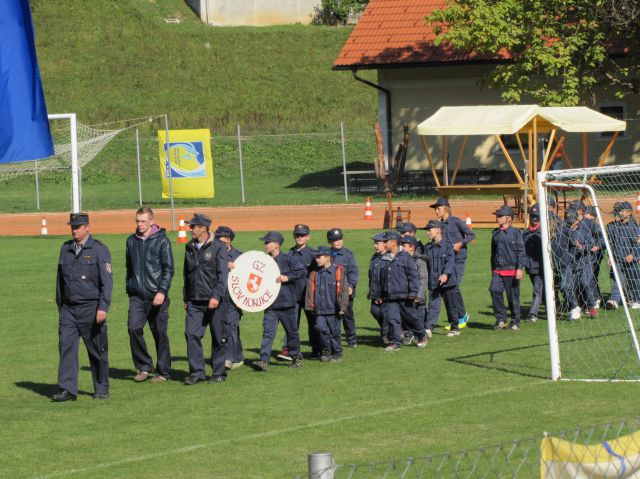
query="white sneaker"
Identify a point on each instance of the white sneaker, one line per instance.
(429, 333)
(635, 305)
(611, 304)
(597, 305)
(575, 313)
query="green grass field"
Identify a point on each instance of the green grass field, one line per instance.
(480, 389)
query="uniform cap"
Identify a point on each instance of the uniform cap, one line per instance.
(378, 236)
(406, 227)
(590, 210)
(434, 224)
(412, 240)
(577, 205)
(300, 230)
(392, 235)
(199, 220)
(77, 219)
(504, 210)
(570, 217)
(323, 251)
(621, 206)
(440, 202)
(334, 234)
(224, 232)
(273, 237)
(534, 210)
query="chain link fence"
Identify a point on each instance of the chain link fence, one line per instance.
(268, 169)
(604, 450)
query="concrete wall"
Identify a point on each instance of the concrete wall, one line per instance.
(417, 93)
(254, 12)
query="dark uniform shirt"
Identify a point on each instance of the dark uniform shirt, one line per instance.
(345, 258)
(86, 276)
(205, 270)
(440, 260)
(306, 256)
(330, 291)
(294, 270)
(399, 276)
(507, 250)
(457, 231)
(532, 238)
(375, 288)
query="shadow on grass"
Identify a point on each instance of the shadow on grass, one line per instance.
(45, 389)
(331, 178)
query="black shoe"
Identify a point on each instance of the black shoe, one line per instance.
(216, 380)
(100, 396)
(191, 380)
(296, 363)
(63, 396)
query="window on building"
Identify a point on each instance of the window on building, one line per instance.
(614, 110)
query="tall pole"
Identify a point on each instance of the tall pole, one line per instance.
(37, 189)
(241, 165)
(168, 165)
(139, 173)
(344, 164)
(75, 174)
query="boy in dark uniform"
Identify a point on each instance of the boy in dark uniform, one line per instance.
(532, 238)
(374, 285)
(344, 257)
(411, 246)
(83, 294)
(507, 267)
(327, 298)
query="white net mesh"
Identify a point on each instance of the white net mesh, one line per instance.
(90, 142)
(594, 247)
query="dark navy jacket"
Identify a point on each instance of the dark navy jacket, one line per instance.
(149, 265)
(399, 276)
(624, 240)
(306, 256)
(456, 231)
(423, 274)
(344, 257)
(581, 235)
(507, 250)
(325, 296)
(441, 260)
(205, 271)
(532, 238)
(375, 288)
(294, 270)
(85, 277)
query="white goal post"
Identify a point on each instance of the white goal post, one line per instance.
(600, 345)
(75, 175)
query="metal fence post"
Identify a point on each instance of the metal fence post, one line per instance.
(37, 188)
(344, 163)
(139, 173)
(321, 465)
(241, 167)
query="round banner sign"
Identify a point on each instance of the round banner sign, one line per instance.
(252, 283)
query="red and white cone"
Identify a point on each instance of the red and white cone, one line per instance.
(638, 204)
(368, 212)
(468, 221)
(182, 231)
(44, 231)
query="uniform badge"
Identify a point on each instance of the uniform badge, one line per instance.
(253, 283)
(107, 267)
(207, 256)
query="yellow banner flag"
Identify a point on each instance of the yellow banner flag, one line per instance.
(619, 458)
(191, 163)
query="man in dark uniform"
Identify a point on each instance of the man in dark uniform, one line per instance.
(149, 274)
(375, 290)
(458, 233)
(206, 269)
(83, 294)
(283, 309)
(231, 313)
(507, 266)
(344, 257)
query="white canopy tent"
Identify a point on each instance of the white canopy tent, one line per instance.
(517, 120)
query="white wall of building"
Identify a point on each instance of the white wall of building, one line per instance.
(254, 12)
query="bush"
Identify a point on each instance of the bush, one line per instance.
(337, 12)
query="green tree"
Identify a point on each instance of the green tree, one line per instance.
(336, 12)
(560, 50)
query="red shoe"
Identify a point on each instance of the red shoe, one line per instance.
(593, 312)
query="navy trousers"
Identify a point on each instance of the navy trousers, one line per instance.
(349, 321)
(312, 332)
(511, 286)
(287, 317)
(395, 311)
(460, 265)
(235, 352)
(328, 328)
(79, 321)
(452, 298)
(537, 285)
(199, 316)
(376, 312)
(142, 312)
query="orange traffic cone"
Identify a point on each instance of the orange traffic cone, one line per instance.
(468, 221)
(43, 227)
(368, 212)
(182, 231)
(638, 203)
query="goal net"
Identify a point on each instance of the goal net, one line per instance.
(592, 271)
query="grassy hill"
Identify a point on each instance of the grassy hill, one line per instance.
(116, 60)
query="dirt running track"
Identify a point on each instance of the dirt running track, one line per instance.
(252, 218)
